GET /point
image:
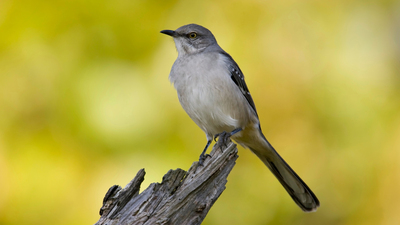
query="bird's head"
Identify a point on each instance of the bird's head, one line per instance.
(191, 38)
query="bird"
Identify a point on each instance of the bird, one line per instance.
(212, 90)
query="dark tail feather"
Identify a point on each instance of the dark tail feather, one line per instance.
(294, 185)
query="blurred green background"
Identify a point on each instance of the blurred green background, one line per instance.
(85, 102)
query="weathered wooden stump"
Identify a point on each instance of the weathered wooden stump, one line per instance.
(181, 198)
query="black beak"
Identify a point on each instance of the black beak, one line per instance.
(169, 32)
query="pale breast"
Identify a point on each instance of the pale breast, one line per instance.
(208, 94)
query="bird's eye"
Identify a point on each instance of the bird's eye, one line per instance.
(192, 35)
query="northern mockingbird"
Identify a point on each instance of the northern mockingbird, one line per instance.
(212, 91)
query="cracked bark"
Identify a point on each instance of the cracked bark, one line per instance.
(181, 198)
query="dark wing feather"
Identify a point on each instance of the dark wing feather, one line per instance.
(238, 78)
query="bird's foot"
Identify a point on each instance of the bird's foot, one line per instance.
(216, 136)
(203, 154)
(202, 158)
(223, 138)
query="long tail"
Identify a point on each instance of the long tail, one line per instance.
(294, 185)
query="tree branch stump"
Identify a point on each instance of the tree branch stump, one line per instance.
(181, 198)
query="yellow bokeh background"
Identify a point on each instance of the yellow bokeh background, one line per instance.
(85, 102)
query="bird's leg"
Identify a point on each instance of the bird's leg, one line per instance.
(224, 137)
(235, 131)
(229, 134)
(203, 154)
(222, 141)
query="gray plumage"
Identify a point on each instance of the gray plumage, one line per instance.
(212, 90)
